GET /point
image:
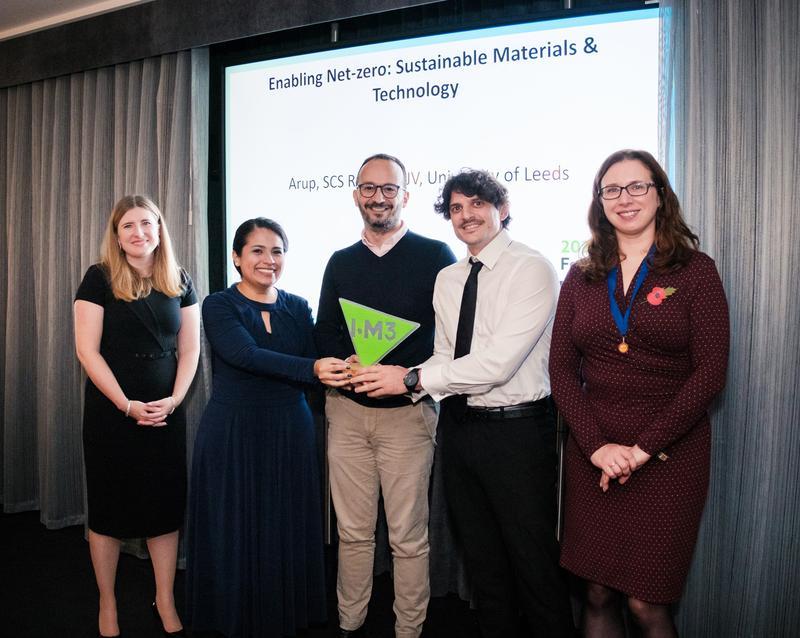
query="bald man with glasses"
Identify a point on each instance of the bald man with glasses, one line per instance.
(381, 445)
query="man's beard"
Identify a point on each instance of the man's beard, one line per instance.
(382, 225)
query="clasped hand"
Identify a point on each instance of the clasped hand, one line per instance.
(152, 413)
(618, 462)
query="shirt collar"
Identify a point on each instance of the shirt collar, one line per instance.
(388, 243)
(492, 251)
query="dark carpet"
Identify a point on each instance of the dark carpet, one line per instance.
(47, 588)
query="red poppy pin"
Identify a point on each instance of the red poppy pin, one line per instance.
(657, 295)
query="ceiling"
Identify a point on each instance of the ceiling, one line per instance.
(19, 17)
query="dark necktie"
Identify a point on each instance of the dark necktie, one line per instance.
(466, 322)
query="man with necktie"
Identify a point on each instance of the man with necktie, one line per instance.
(494, 315)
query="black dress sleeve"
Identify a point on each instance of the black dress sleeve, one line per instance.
(94, 286)
(232, 343)
(189, 296)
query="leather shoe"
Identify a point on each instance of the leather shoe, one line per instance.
(353, 633)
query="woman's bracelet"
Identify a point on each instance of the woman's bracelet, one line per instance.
(128, 409)
(174, 405)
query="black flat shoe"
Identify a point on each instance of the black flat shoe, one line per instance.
(180, 632)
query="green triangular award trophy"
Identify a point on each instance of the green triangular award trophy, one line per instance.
(374, 333)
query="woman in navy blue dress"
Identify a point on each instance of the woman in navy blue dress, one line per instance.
(254, 536)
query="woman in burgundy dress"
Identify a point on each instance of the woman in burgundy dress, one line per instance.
(639, 351)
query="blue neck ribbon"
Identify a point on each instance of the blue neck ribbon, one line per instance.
(620, 319)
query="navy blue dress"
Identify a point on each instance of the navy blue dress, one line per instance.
(254, 534)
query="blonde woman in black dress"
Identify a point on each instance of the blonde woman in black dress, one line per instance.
(137, 335)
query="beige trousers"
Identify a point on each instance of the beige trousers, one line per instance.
(387, 449)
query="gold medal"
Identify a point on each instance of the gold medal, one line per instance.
(620, 319)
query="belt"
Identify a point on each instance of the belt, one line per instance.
(153, 355)
(518, 411)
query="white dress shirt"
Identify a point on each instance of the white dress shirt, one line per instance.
(388, 242)
(507, 363)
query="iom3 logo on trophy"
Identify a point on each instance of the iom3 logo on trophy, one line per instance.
(374, 333)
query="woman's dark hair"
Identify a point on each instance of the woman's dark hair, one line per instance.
(247, 227)
(675, 243)
(471, 182)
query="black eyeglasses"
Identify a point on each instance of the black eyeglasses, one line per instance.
(637, 189)
(389, 190)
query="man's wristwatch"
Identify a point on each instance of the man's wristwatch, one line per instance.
(411, 379)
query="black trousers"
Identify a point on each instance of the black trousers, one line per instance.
(500, 481)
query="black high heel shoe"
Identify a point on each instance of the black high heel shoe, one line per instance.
(180, 632)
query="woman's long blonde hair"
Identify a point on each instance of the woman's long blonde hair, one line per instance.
(126, 283)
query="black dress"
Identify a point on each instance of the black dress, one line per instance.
(135, 476)
(254, 532)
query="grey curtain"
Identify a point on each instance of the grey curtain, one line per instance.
(69, 148)
(731, 72)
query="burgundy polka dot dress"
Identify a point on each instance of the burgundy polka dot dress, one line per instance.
(639, 537)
